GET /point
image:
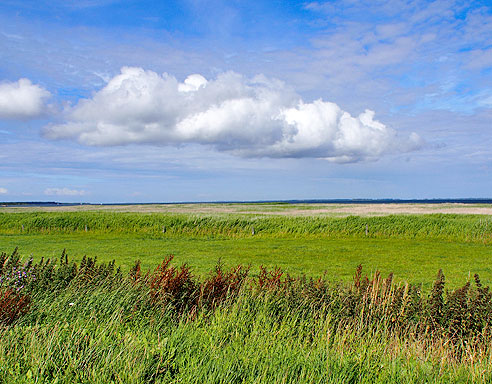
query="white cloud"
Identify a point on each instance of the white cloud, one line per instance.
(256, 117)
(64, 192)
(22, 100)
(3, 191)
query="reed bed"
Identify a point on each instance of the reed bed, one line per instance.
(468, 228)
(90, 322)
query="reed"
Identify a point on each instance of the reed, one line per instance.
(469, 228)
(90, 322)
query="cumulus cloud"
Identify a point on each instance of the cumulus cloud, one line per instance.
(3, 191)
(22, 100)
(64, 192)
(256, 117)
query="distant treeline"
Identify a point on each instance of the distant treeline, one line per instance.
(306, 201)
(31, 203)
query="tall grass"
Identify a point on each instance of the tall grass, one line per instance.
(472, 228)
(91, 323)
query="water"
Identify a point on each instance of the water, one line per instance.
(308, 201)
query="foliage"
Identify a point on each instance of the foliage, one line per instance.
(13, 305)
(89, 322)
(471, 228)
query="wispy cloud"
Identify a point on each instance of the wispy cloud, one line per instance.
(256, 117)
(22, 100)
(403, 50)
(3, 191)
(64, 192)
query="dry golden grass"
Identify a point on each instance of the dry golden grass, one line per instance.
(273, 209)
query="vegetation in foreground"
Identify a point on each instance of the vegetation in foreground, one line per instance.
(91, 322)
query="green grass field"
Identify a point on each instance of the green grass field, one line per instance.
(413, 247)
(64, 323)
(411, 260)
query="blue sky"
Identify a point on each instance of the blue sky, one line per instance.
(148, 101)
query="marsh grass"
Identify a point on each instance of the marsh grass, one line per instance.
(470, 228)
(91, 323)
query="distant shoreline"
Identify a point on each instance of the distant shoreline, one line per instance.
(308, 201)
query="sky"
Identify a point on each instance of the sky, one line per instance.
(225, 100)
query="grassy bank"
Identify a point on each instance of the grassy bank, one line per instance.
(469, 228)
(91, 323)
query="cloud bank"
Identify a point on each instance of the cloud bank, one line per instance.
(64, 192)
(256, 117)
(22, 100)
